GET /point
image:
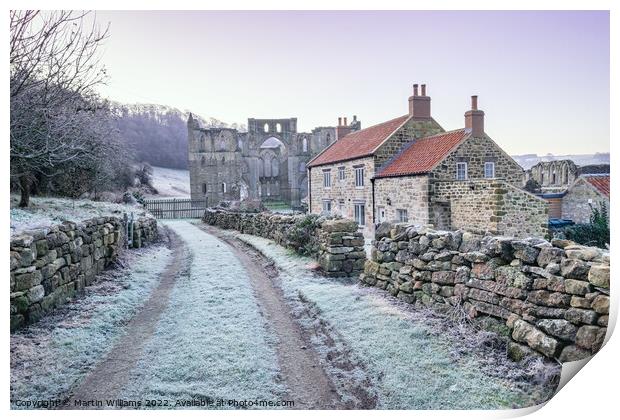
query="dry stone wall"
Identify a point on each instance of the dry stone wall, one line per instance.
(336, 243)
(552, 297)
(49, 266)
(341, 248)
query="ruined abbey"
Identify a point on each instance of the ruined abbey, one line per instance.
(268, 162)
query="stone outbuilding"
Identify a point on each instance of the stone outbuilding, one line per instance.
(411, 170)
(587, 192)
(556, 177)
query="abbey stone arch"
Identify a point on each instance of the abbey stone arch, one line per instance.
(268, 162)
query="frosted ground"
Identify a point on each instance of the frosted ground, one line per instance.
(211, 341)
(170, 183)
(50, 357)
(412, 364)
(46, 211)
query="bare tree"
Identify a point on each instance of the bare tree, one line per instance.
(54, 66)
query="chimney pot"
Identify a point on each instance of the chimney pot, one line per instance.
(345, 120)
(339, 121)
(420, 106)
(474, 118)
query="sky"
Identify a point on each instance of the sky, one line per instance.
(542, 77)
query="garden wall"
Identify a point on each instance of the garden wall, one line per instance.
(48, 266)
(336, 243)
(552, 297)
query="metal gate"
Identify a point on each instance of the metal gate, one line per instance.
(176, 208)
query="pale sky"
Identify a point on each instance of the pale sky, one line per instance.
(542, 77)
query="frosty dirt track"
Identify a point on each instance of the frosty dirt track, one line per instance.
(226, 316)
(111, 375)
(306, 383)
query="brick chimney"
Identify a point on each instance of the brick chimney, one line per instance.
(474, 118)
(419, 105)
(343, 128)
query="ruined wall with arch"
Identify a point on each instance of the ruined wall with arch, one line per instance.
(553, 176)
(267, 162)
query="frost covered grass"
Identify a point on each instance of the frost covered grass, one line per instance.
(413, 359)
(211, 341)
(46, 211)
(53, 355)
(170, 182)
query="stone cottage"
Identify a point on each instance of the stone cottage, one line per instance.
(410, 169)
(587, 192)
(555, 177)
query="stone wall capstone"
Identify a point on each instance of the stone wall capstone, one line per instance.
(553, 297)
(336, 243)
(48, 266)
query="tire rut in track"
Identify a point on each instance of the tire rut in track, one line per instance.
(310, 387)
(109, 377)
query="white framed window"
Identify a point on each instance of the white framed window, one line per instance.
(381, 214)
(489, 169)
(341, 173)
(360, 213)
(402, 215)
(327, 206)
(461, 171)
(359, 176)
(327, 178)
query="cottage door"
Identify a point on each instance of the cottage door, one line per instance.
(381, 214)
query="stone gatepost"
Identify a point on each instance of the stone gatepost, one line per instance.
(341, 248)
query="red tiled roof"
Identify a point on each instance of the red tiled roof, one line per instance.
(358, 143)
(423, 154)
(601, 183)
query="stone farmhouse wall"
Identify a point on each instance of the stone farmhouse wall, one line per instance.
(336, 243)
(552, 297)
(489, 206)
(476, 151)
(575, 204)
(343, 195)
(409, 193)
(49, 266)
